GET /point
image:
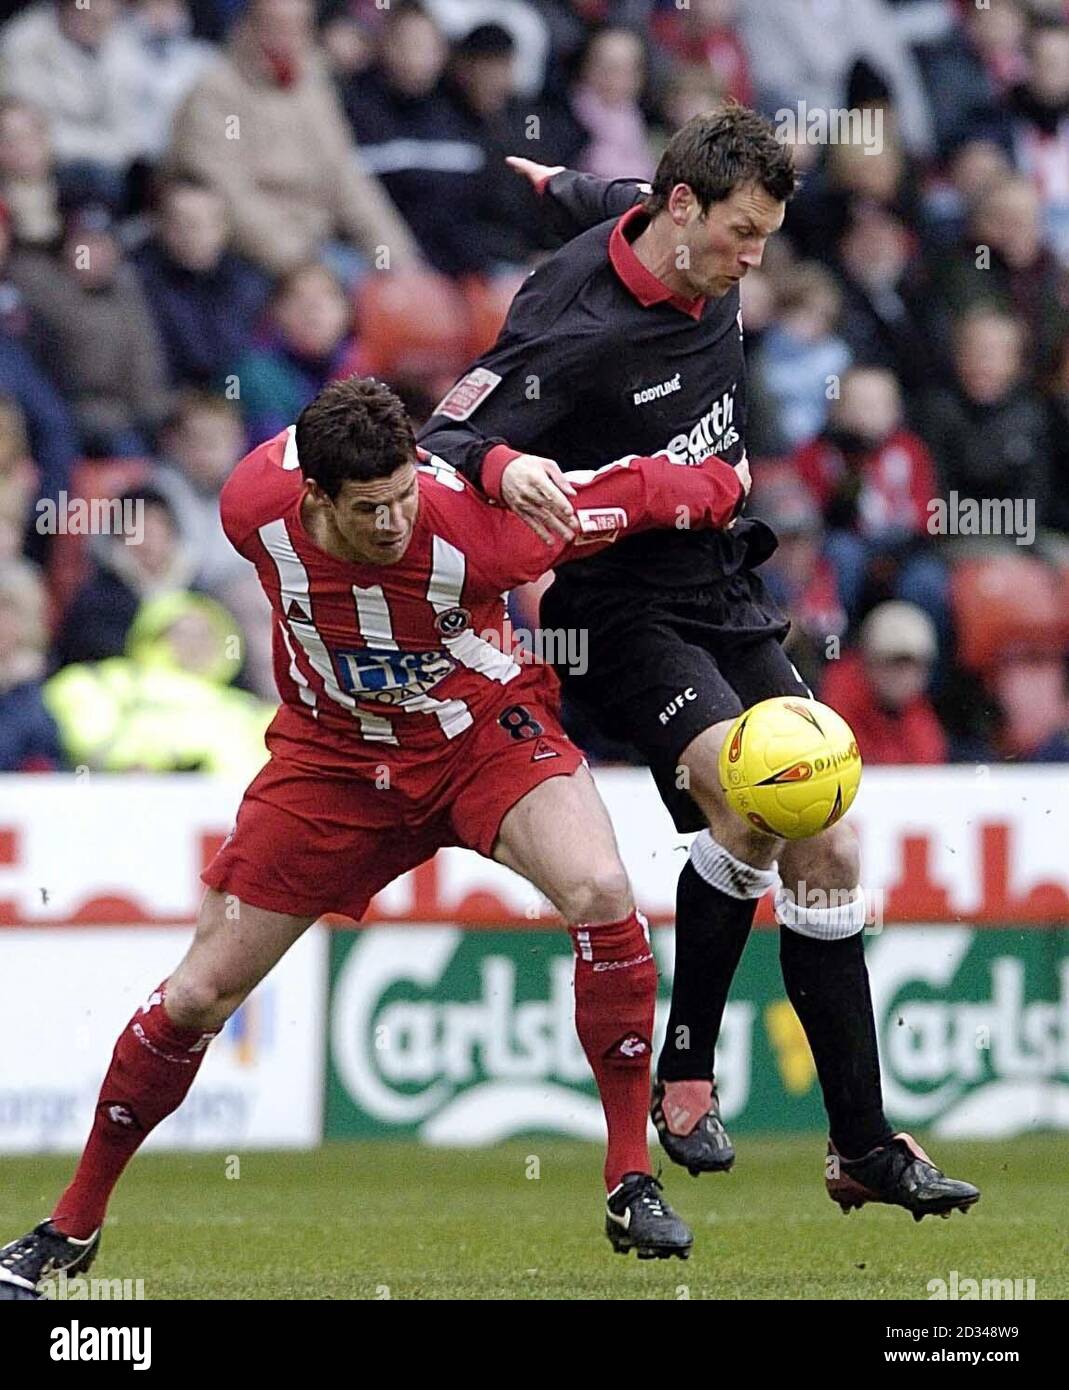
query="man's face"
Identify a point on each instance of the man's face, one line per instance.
(718, 249)
(897, 679)
(193, 227)
(284, 26)
(1012, 222)
(375, 519)
(313, 313)
(869, 406)
(487, 82)
(987, 356)
(206, 444)
(88, 25)
(414, 55)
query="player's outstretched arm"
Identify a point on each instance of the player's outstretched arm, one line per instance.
(571, 201)
(623, 498)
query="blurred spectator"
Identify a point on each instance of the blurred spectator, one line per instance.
(873, 480)
(201, 444)
(987, 432)
(122, 574)
(165, 705)
(205, 298)
(1001, 260)
(18, 480)
(798, 575)
(1029, 689)
(28, 183)
(29, 740)
(704, 37)
(688, 92)
(969, 73)
(803, 50)
(480, 86)
(879, 689)
(307, 341)
(47, 421)
(1041, 128)
(948, 198)
(81, 65)
(264, 127)
(97, 335)
(172, 62)
(414, 139)
(533, 24)
(1056, 389)
(347, 45)
(853, 178)
(52, 436)
(605, 100)
(881, 322)
(997, 33)
(801, 355)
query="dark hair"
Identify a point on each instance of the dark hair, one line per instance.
(354, 431)
(719, 150)
(485, 41)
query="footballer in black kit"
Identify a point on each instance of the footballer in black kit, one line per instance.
(628, 341)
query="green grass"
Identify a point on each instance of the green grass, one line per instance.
(350, 1219)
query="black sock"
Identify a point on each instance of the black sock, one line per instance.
(828, 984)
(711, 932)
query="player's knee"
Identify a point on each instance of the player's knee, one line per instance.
(829, 860)
(602, 895)
(195, 1000)
(842, 856)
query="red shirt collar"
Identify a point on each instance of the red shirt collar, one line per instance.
(642, 283)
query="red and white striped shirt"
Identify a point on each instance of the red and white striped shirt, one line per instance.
(409, 655)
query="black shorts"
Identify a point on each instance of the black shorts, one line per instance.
(664, 665)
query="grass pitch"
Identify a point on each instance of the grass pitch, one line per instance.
(377, 1220)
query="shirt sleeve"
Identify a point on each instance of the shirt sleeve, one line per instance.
(524, 385)
(623, 498)
(573, 202)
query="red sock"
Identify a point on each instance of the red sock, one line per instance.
(615, 994)
(151, 1070)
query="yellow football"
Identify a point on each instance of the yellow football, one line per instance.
(790, 767)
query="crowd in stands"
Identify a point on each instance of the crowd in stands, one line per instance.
(210, 208)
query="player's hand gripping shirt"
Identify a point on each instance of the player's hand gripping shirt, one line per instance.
(409, 655)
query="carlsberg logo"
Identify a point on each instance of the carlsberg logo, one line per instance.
(968, 1066)
(429, 1032)
(469, 1037)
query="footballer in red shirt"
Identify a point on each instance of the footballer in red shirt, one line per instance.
(404, 726)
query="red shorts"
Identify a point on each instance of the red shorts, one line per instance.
(309, 842)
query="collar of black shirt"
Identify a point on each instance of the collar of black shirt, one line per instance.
(642, 283)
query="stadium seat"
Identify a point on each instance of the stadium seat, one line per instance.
(1007, 602)
(91, 478)
(412, 326)
(488, 305)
